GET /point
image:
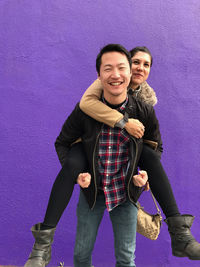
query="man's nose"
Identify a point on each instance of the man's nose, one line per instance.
(115, 73)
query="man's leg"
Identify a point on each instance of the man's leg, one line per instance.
(87, 228)
(124, 221)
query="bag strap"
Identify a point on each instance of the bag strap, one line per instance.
(155, 202)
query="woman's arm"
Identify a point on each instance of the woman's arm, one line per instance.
(92, 106)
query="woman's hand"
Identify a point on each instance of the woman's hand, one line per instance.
(135, 128)
(141, 180)
(84, 179)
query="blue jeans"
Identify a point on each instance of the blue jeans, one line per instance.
(124, 223)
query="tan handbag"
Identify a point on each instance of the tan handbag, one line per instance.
(148, 224)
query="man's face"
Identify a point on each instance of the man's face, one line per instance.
(115, 75)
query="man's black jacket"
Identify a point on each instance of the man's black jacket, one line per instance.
(80, 125)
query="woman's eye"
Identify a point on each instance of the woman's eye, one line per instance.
(135, 62)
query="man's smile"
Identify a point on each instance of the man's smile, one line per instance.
(115, 83)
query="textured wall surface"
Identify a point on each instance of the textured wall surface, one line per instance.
(47, 59)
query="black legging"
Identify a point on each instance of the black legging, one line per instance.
(76, 163)
(158, 181)
(63, 186)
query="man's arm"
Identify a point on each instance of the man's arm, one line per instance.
(72, 129)
(84, 179)
(141, 180)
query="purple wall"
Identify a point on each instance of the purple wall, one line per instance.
(47, 60)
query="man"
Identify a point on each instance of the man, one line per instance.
(113, 158)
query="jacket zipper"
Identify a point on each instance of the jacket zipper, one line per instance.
(94, 169)
(136, 153)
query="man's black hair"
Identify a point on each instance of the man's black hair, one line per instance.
(112, 48)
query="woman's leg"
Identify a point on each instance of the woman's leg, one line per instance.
(63, 186)
(60, 196)
(158, 180)
(182, 241)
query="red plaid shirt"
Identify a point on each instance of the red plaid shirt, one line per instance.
(113, 163)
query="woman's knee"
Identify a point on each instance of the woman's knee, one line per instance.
(76, 158)
(149, 154)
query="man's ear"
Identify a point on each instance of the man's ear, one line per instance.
(98, 77)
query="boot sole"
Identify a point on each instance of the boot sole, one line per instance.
(194, 258)
(181, 255)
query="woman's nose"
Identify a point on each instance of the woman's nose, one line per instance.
(140, 67)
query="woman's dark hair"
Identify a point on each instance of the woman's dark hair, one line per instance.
(141, 49)
(112, 48)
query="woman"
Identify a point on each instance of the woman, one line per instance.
(183, 243)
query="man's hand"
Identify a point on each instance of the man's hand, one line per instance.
(135, 128)
(84, 179)
(141, 179)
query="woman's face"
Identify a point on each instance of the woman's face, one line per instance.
(141, 64)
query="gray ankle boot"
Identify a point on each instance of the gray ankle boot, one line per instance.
(182, 241)
(41, 252)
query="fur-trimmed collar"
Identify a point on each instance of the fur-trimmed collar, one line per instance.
(146, 94)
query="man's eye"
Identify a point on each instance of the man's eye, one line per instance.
(107, 69)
